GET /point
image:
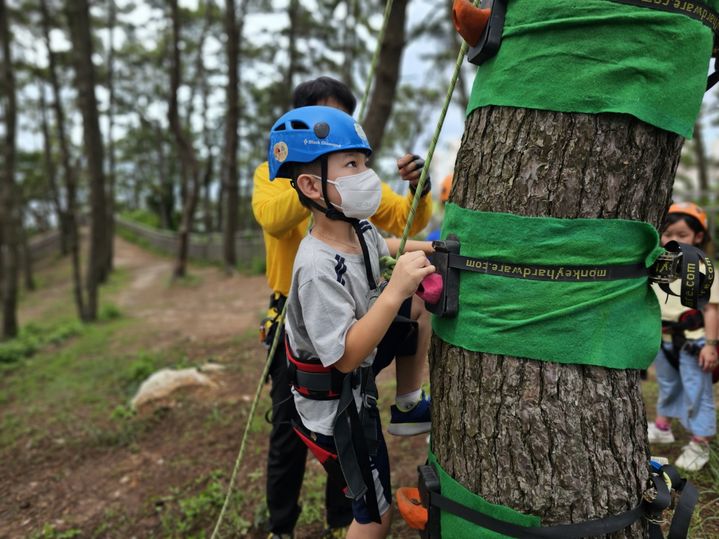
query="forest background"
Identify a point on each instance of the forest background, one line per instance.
(124, 122)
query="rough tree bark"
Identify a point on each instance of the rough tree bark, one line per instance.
(565, 442)
(387, 76)
(185, 149)
(73, 234)
(78, 17)
(229, 162)
(9, 202)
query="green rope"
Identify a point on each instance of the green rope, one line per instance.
(403, 241)
(375, 60)
(430, 153)
(273, 349)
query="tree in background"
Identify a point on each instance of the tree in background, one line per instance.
(9, 202)
(78, 18)
(229, 163)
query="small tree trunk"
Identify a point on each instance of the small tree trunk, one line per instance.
(185, 150)
(51, 174)
(566, 442)
(8, 189)
(387, 77)
(78, 17)
(110, 254)
(229, 168)
(26, 259)
(73, 235)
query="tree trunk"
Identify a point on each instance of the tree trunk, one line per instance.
(78, 17)
(387, 76)
(185, 150)
(73, 235)
(565, 442)
(26, 258)
(229, 165)
(110, 138)
(8, 190)
(51, 174)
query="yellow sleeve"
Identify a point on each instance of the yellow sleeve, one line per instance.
(394, 210)
(275, 204)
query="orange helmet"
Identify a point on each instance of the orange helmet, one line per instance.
(446, 188)
(691, 209)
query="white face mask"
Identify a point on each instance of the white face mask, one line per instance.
(360, 193)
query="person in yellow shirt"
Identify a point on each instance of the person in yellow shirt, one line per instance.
(284, 221)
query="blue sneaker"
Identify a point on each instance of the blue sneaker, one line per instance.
(416, 420)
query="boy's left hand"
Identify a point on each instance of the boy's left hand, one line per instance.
(708, 358)
(410, 168)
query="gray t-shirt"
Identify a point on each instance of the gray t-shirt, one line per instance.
(329, 293)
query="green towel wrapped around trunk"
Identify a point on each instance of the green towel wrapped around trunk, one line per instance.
(613, 324)
(599, 56)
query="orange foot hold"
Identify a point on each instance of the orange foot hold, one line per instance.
(469, 21)
(411, 508)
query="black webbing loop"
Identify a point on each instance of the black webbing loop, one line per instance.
(651, 507)
(357, 225)
(352, 450)
(695, 286)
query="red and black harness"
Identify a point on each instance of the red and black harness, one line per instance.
(355, 432)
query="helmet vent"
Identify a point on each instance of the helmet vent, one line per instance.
(296, 124)
(322, 129)
(280, 127)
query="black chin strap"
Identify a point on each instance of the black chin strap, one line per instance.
(333, 213)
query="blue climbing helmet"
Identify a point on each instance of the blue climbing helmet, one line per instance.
(307, 133)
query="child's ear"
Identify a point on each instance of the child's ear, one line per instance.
(309, 186)
(699, 238)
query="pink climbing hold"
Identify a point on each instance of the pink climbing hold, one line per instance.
(430, 289)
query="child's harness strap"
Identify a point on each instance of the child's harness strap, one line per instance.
(655, 500)
(684, 260)
(355, 433)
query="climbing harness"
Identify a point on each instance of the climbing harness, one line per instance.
(422, 508)
(679, 261)
(690, 320)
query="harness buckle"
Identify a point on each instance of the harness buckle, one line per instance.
(369, 401)
(667, 268)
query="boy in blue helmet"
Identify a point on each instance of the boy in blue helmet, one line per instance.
(340, 329)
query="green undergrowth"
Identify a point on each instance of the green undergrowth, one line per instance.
(192, 511)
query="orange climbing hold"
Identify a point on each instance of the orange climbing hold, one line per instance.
(469, 21)
(411, 508)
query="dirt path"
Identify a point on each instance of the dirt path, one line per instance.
(77, 483)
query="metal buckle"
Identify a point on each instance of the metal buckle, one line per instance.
(366, 398)
(667, 268)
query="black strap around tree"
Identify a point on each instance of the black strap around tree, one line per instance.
(650, 509)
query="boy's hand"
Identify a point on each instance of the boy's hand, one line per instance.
(410, 168)
(408, 273)
(708, 358)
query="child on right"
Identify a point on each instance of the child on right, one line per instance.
(686, 359)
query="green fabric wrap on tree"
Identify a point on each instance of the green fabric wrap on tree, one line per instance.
(599, 56)
(454, 526)
(615, 324)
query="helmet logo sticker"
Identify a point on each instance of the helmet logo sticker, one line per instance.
(280, 151)
(322, 129)
(360, 132)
